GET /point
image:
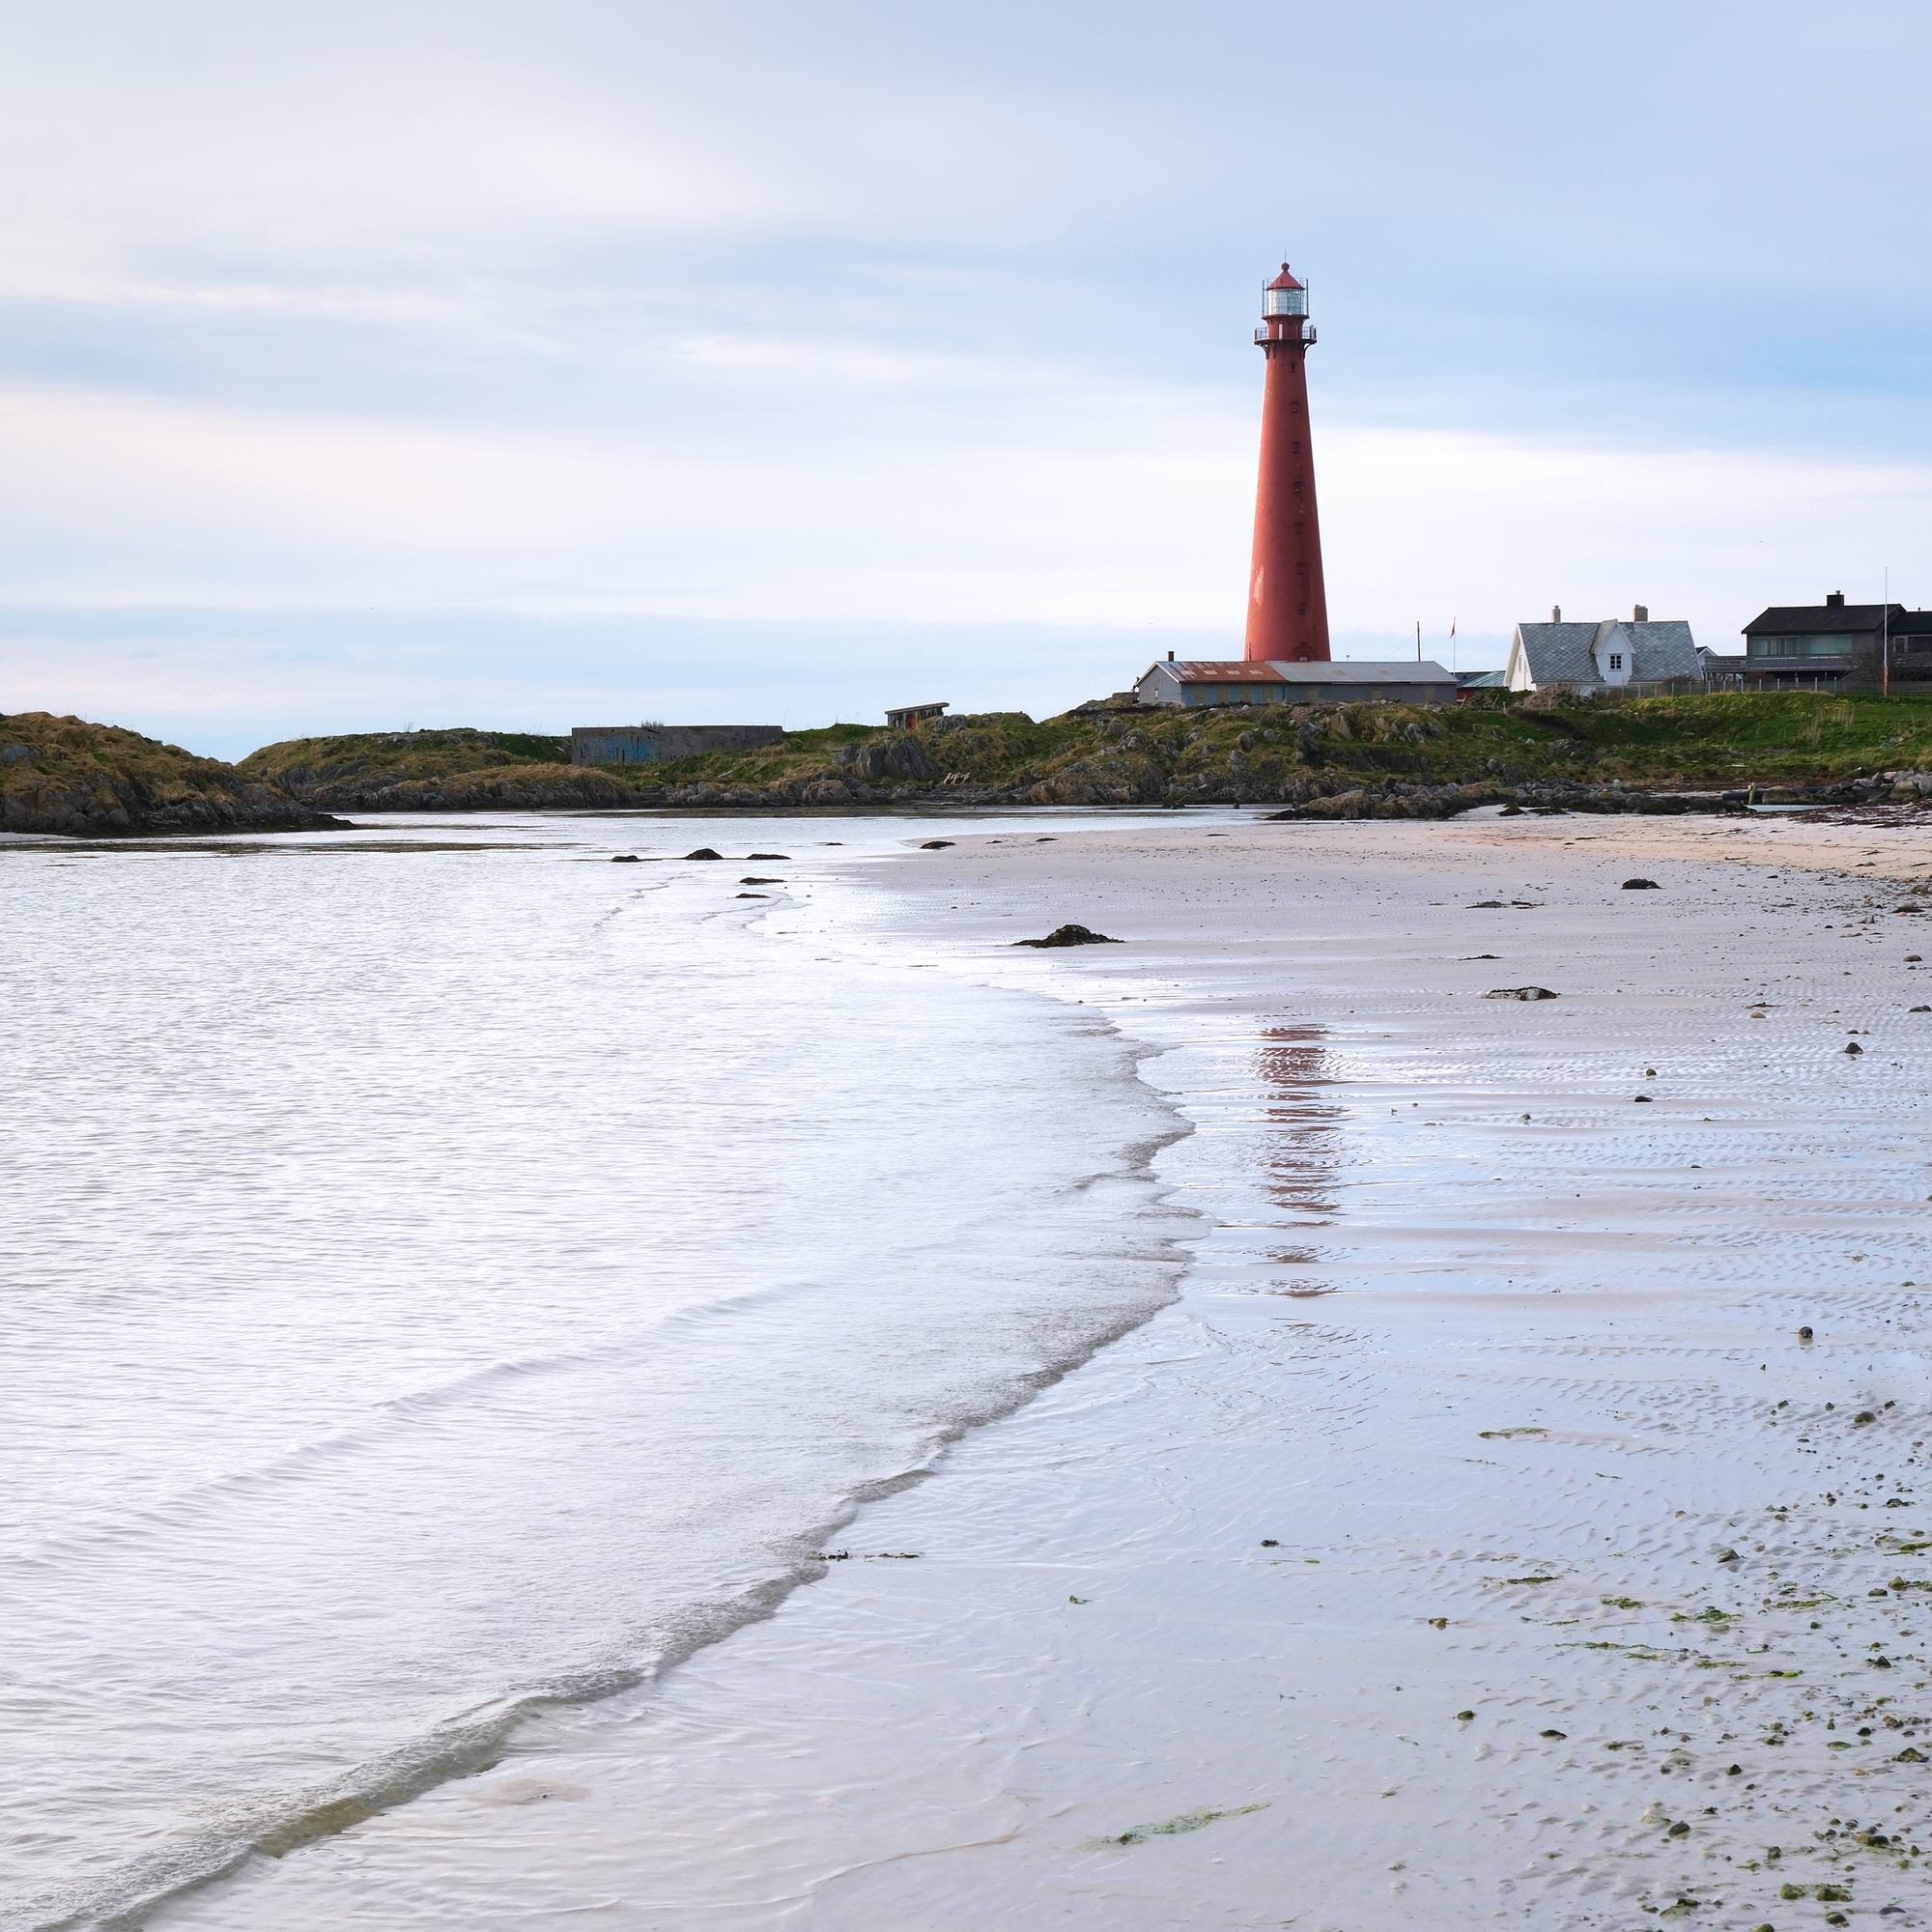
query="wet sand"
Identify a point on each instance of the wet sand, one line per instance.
(1487, 1395)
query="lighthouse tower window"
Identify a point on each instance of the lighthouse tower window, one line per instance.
(1284, 302)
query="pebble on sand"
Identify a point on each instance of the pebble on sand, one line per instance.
(1641, 886)
(1518, 993)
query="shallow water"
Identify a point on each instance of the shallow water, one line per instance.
(448, 1274)
(1477, 1373)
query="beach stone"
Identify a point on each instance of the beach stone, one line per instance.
(1641, 886)
(1071, 935)
(1852, 1046)
(626, 858)
(1520, 993)
(935, 845)
(704, 852)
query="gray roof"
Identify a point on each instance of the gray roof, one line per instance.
(1279, 670)
(1566, 653)
(1363, 671)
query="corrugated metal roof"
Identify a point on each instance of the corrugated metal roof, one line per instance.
(1219, 670)
(1338, 670)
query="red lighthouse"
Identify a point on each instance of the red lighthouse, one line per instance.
(1288, 604)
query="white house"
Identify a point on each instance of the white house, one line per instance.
(1601, 656)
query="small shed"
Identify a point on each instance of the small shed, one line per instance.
(1202, 681)
(902, 717)
(1603, 656)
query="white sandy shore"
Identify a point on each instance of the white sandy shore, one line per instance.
(1483, 1368)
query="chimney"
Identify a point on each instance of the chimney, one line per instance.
(1640, 613)
(1556, 613)
(1835, 600)
(1170, 657)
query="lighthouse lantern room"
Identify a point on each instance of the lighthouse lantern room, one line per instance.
(1287, 602)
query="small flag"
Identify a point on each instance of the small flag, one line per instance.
(1452, 627)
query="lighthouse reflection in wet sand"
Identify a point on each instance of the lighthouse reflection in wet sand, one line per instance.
(1288, 604)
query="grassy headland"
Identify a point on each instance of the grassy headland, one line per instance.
(66, 774)
(1097, 754)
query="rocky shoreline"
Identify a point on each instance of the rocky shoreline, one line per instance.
(1324, 796)
(70, 778)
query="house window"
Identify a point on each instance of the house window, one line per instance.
(1814, 646)
(1616, 661)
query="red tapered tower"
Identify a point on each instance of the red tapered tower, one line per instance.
(1288, 602)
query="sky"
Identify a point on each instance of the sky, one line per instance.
(532, 365)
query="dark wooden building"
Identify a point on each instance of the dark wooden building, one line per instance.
(1835, 645)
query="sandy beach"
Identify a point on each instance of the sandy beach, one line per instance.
(1480, 1537)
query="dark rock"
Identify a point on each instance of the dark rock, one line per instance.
(768, 857)
(626, 858)
(1852, 1046)
(1641, 886)
(1486, 905)
(935, 845)
(896, 758)
(1520, 993)
(1643, 1100)
(704, 852)
(1071, 935)
(761, 882)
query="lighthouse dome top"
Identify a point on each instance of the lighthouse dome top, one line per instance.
(1285, 295)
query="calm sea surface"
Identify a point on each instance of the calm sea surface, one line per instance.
(448, 1274)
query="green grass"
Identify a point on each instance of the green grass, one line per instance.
(399, 755)
(1720, 741)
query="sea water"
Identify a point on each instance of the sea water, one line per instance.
(450, 1275)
